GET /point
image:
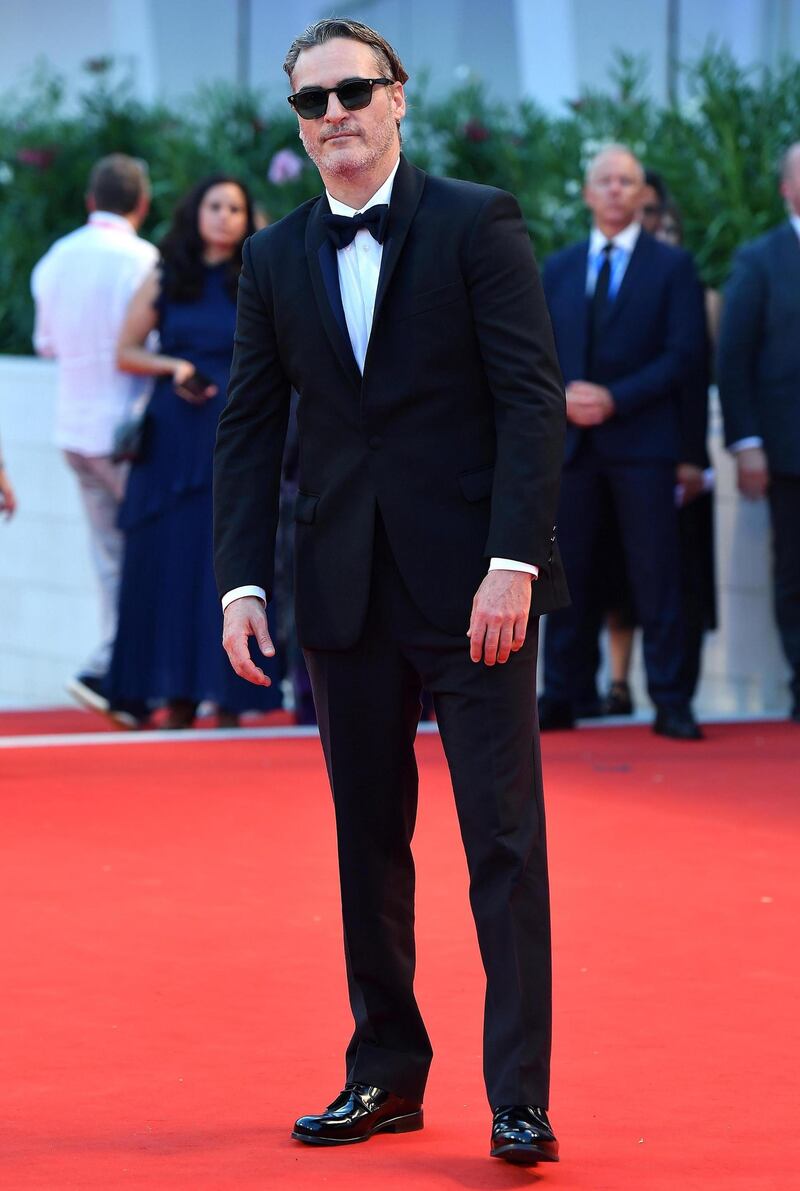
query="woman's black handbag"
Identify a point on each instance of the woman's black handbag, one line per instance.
(130, 439)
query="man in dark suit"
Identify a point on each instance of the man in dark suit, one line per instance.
(407, 313)
(758, 372)
(629, 324)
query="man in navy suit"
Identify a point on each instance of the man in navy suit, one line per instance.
(759, 387)
(628, 317)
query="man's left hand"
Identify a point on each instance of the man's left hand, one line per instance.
(588, 404)
(499, 618)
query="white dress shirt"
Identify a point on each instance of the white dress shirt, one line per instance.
(359, 267)
(82, 287)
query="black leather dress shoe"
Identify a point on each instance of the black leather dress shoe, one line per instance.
(677, 723)
(522, 1134)
(357, 1113)
(555, 715)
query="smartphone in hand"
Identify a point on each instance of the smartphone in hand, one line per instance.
(196, 387)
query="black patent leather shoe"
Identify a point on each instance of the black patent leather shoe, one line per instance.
(521, 1133)
(678, 723)
(356, 1114)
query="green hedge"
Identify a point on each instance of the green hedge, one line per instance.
(718, 152)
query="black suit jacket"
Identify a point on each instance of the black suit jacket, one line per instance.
(758, 363)
(454, 432)
(651, 346)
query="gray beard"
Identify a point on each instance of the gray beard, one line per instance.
(371, 155)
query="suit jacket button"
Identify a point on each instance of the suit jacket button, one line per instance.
(375, 442)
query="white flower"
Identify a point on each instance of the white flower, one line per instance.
(6, 174)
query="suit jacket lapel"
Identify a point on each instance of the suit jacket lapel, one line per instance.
(409, 183)
(578, 301)
(791, 257)
(321, 256)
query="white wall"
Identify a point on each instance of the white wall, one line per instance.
(48, 607)
(551, 50)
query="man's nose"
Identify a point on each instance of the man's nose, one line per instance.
(335, 113)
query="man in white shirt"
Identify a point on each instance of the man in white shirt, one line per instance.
(82, 287)
(758, 371)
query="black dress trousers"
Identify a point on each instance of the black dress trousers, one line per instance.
(368, 704)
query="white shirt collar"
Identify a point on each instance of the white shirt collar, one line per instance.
(111, 219)
(794, 219)
(382, 195)
(626, 239)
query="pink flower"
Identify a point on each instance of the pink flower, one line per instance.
(40, 159)
(475, 131)
(284, 167)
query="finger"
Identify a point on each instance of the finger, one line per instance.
(520, 632)
(265, 642)
(490, 644)
(235, 645)
(505, 642)
(476, 635)
(252, 673)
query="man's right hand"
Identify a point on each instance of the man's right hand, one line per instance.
(752, 472)
(246, 618)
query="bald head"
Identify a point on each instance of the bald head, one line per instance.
(790, 177)
(605, 157)
(614, 188)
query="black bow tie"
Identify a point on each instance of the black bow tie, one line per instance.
(342, 228)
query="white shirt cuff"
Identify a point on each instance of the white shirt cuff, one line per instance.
(238, 592)
(508, 564)
(744, 444)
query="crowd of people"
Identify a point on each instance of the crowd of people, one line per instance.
(635, 513)
(143, 336)
(115, 311)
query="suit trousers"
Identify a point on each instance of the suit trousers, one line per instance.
(784, 503)
(641, 497)
(368, 705)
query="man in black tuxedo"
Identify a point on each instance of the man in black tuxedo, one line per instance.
(758, 371)
(407, 313)
(629, 324)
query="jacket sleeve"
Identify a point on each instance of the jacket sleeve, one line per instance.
(693, 403)
(250, 440)
(740, 336)
(519, 358)
(682, 350)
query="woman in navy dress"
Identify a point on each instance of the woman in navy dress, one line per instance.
(168, 646)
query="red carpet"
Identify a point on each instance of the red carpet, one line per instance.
(58, 720)
(172, 991)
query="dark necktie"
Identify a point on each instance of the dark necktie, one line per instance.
(597, 309)
(342, 228)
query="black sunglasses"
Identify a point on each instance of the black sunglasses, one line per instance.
(353, 94)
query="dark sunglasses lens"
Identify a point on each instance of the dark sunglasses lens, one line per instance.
(311, 104)
(354, 95)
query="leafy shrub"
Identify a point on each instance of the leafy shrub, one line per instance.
(718, 152)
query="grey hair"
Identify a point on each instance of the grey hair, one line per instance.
(613, 147)
(320, 32)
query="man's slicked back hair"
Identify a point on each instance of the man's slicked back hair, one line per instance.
(387, 60)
